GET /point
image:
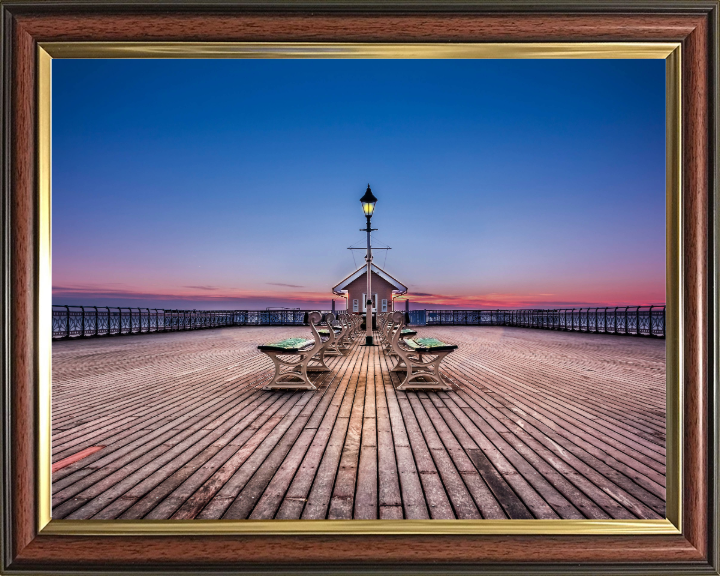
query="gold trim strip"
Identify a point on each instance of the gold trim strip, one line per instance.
(44, 331)
(532, 50)
(673, 291)
(669, 51)
(355, 527)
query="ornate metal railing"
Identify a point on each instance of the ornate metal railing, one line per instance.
(630, 320)
(85, 321)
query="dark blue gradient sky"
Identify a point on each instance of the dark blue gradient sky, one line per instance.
(235, 183)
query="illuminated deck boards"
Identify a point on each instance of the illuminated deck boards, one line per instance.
(538, 424)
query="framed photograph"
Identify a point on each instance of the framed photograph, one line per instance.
(226, 351)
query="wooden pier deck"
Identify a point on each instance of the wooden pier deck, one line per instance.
(539, 424)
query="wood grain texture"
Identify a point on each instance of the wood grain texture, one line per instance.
(313, 552)
(318, 27)
(695, 235)
(685, 23)
(22, 290)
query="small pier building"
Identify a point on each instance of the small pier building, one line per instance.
(385, 289)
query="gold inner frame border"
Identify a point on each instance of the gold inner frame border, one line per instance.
(668, 51)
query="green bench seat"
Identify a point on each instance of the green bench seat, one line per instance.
(408, 332)
(326, 332)
(289, 345)
(429, 345)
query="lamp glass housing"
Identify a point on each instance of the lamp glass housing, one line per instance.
(368, 208)
(368, 202)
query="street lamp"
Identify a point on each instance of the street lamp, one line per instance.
(368, 205)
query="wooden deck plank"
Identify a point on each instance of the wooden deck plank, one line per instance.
(538, 424)
(297, 494)
(366, 493)
(593, 443)
(160, 489)
(414, 504)
(549, 434)
(271, 498)
(164, 420)
(139, 454)
(436, 497)
(591, 426)
(389, 495)
(254, 489)
(160, 463)
(449, 459)
(338, 453)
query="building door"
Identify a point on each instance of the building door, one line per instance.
(375, 302)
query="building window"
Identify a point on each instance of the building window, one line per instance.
(355, 305)
(384, 305)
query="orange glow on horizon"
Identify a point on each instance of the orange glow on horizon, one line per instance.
(198, 294)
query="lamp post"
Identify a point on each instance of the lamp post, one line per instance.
(368, 205)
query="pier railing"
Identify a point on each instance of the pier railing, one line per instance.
(86, 321)
(627, 320)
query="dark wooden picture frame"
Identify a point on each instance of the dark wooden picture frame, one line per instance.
(693, 24)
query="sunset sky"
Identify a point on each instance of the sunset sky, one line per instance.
(234, 184)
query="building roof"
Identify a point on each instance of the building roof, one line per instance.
(398, 287)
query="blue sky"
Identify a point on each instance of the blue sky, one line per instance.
(235, 183)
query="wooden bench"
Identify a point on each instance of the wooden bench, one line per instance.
(352, 321)
(419, 358)
(387, 328)
(336, 336)
(295, 357)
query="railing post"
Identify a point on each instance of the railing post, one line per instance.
(627, 328)
(663, 321)
(637, 321)
(67, 320)
(605, 322)
(596, 321)
(82, 321)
